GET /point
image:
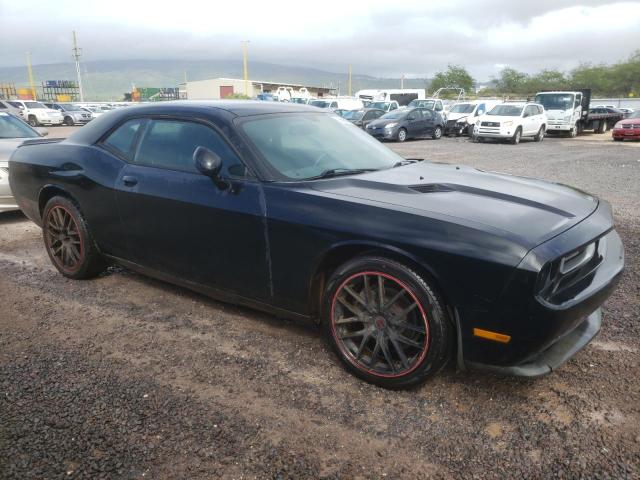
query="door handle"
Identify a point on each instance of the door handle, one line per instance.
(129, 181)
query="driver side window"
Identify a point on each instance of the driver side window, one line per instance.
(170, 144)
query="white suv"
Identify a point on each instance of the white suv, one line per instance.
(512, 121)
(36, 114)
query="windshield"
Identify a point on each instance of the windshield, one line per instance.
(634, 114)
(463, 108)
(353, 114)
(320, 103)
(34, 105)
(506, 110)
(12, 127)
(72, 108)
(304, 145)
(380, 105)
(299, 100)
(429, 104)
(555, 101)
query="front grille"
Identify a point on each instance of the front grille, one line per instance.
(565, 277)
(4, 169)
(451, 123)
(490, 124)
(633, 126)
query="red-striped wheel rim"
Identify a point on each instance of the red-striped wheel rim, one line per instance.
(378, 327)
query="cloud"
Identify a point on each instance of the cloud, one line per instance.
(377, 37)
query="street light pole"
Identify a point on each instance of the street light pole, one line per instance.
(245, 44)
(76, 55)
(30, 71)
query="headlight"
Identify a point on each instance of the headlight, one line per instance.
(618, 125)
(507, 124)
(567, 118)
(390, 125)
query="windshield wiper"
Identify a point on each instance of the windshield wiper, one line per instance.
(336, 172)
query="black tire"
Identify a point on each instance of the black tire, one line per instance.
(573, 133)
(478, 139)
(437, 133)
(33, 121)
(68, 121)
(517, 135)
(402, 135)
(602, 126)
(617, 139)
(68, 240)
(470, 129)
(540, 135)
(375, 356)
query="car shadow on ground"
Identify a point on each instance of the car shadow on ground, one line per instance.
(8, 218)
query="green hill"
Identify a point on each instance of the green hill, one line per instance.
(108, 80)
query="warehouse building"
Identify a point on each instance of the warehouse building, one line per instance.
(218, 88)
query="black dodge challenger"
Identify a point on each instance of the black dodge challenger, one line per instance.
(405, 264)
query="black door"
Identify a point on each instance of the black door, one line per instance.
(415, 123)
(178, 221)
(429, 121)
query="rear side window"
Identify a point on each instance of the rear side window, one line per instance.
(3, 106)
(170, 144)
(123, 138)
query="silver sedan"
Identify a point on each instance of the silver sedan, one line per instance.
(13, 131)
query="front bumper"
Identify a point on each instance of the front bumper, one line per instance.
(555, 355)
(383, 133)
(565, 127)
(51, 120)
(626, 133)
(542, 325)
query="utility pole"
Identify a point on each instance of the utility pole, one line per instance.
(245, 44)
(350, 92)
(30, 71)
(77, 52)
(401, 81)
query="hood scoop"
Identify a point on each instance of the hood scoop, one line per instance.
(432, 188)
(452, 187)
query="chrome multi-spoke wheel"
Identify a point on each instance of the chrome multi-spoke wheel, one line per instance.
(68, 241)
(63, 238)
(385, 322)
(379, 324)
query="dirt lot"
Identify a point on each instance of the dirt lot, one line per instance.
(127, 377)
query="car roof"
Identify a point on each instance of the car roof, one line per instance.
(240, 108)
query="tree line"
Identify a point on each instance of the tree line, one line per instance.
(620, 79)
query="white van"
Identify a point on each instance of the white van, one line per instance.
(401, 95)
(347, 103)
(462, 116)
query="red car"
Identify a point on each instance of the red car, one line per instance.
(627, 128)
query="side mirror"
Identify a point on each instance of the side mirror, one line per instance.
(209, 163)
(42, 131)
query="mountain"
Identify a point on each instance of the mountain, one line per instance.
(108, 80)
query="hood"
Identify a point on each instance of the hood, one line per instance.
(7, 147)
(381, 122)
(528, 211)
(457, 116)
(558, 114)
(498, 118)
(629, 121)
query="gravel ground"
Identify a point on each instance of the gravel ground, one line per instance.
(128, 377)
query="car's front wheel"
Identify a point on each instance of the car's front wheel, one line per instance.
(437, 133)
(68, 121)
(540, 135)
(68, 240)
(33, 121)
(402, 135)
(515, 140)
(386, 323)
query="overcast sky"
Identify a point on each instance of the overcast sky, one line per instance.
(383, 38)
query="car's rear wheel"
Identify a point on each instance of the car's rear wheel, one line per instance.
(540, 135)
(386, 323)
(402, 135)
(33, 121)
(602, 126)
(437, 133)
(515, 140)
(68, 241)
